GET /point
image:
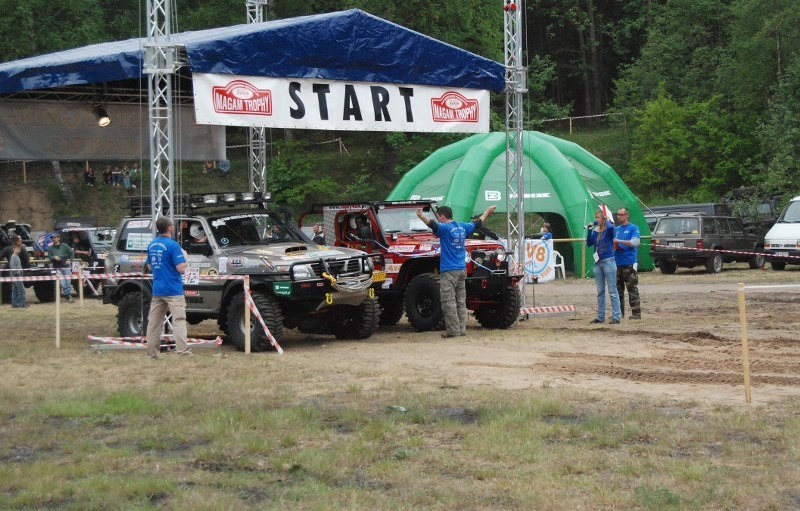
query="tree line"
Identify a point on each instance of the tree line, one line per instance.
(708, 90)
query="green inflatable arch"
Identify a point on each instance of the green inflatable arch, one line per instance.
(563, 182)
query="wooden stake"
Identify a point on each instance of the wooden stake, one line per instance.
(745, 355)
(246, 315)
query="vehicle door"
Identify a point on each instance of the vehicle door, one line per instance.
(202, 294)
(710, 232)
(739, 238)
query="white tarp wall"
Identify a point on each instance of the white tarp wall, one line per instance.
(63, 130)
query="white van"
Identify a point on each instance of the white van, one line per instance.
(782, 241)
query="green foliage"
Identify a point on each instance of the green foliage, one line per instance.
(683, 147)
(683, 49)
(409, 149)
(779, 136)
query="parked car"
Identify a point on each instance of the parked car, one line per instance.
(694, 239)
(782, 242)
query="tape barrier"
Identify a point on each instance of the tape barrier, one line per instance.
(249, 303)
(252, 306)
(551, 310)
(73, 276)
(140, 343)
(723, 251)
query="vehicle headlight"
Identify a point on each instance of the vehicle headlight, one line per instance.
(368, 264)
(467, 257)
(303, 271)
(501, 255)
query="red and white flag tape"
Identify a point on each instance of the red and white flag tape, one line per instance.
(550, 310)
(252, 306)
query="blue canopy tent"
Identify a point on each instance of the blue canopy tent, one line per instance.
(349, 45)
(351, 49)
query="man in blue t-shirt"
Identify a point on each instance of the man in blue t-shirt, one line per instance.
(626, 245)
(452, 265)
(167, 261)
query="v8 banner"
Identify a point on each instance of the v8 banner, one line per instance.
(539, 262)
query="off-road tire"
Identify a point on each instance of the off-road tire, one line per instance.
(504, 312)
(132, 311)
(360, 323)
(423, 303)
(778, 265)
(45, 291)
(667, 267)
(714, 263)
(758, 260)
(270, 310)
(391, 312)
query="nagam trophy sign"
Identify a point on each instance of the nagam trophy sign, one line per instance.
(252, 101)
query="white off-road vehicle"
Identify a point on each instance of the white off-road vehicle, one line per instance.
(294, 282)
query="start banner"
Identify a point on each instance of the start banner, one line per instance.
(232, 100)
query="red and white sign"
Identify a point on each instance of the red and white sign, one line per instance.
(240, 97)
(231, 100)
(454, 107)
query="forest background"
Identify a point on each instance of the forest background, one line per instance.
(697, 97)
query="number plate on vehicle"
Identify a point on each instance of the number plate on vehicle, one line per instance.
(675, 244)
(378, 276)
(782, 254)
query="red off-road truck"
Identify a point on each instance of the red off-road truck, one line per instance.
(406, 249)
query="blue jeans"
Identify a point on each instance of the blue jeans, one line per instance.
(605, 276)
(66, 284)
(18, 294)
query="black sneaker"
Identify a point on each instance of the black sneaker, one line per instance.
(595, 321)
(636, 316)
(613, 322)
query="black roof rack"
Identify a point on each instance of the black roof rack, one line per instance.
(204, 201)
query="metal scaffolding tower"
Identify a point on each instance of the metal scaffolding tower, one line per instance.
(160, 64)
(516, 85)
(257, 143)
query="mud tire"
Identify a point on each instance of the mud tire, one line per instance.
(361, 322)
(504, 312)
(392, 312)
(423, 303)
(132, 312)
(270, 310)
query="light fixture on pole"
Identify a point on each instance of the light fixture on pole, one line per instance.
(99, 111)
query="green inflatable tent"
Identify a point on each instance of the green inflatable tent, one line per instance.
(564, 183)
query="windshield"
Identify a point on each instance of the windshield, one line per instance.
(101, 238)
(678, 226)
(253, 228)
(402, 220)
(791, 213)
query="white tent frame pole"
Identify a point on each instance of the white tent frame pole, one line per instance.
(160, 64)
(256, 137)
(516, 85)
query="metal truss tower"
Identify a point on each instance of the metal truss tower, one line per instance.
(160, 64)
(257, 143)
(516, 85)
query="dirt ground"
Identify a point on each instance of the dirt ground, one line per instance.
(686, 347)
